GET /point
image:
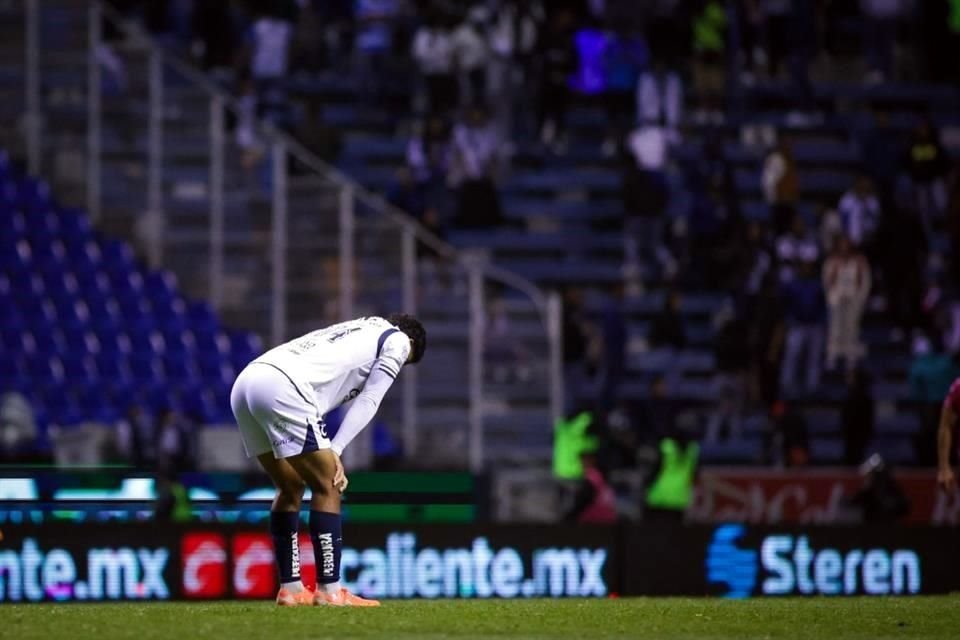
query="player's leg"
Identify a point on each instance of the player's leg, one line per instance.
(253, 385)
(317, 469)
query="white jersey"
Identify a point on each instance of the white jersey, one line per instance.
(332, 365)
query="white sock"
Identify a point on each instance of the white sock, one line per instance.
(292, 587)
(332, 588)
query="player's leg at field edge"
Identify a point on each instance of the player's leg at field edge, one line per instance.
(285, 519)
(317, 469)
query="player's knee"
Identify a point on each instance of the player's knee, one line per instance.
(292, 489)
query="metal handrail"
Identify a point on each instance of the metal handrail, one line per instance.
(311, 160)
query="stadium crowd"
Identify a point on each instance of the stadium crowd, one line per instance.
(490, 73)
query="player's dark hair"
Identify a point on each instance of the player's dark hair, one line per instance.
(413, 330)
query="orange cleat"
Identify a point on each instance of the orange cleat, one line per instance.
(342, 598)
(287, 598)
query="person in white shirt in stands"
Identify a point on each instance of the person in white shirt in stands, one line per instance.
(846, 282)
(796, 248)
(471, 52)
(433, 51)
(859, 210)
(279, 401)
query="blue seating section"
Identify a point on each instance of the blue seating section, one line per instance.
(86, 330)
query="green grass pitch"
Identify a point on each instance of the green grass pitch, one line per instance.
(635, 618)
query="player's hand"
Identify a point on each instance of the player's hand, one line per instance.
(339, 475)
(946, 480)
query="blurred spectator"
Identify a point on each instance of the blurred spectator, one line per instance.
(731, 351)
(623, 431)
(594, 501)
(373, 43)
(781, 184)
(175, 451)
(789, 443)
(846, 281)
(859, 210)
(766, 338)
(931, 373)
(660, 89)
(657, 413)
(214, 43)
(557, 55)
(927, 164)
(613, 361)
(269, 40)
(756, 260)
(471, 52)
(750, 26)
(18, 429)
(513, 37)
(576, 339)
(667, 328)
(709, 48)
(645, 193)
(433, 51)
(804, 314)
(476, 156)
(316, 135)
(136, 438)
(830, 227)
(407, 194)
(902, 254)
(880, 21)
(430, 153)
(880, 500)
(173, 502)
(857, 416)
(796, 249)
(624, 56)
(245, 133)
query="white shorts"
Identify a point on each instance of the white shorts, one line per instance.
(274, 415)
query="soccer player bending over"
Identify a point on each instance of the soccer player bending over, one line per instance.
(279, 401)
(948, 421)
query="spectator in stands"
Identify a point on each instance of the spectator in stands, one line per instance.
(927, 164)
(645, 193)
(373, 43)
(830, 227)
(214, 44)
(175, 450)
(859, 210)
(731, 353)
(756, 261)
(557, 55)
(931, 373)
(613, 362)
(316, 135)
(471, 52)
(137, 437)
(407, 194)
(513, 36)
(750, 18)
(666, 27)
(766, 338)
(433, 51)
(245, 133)
(796, 249)
(881, 499)
(657, 413)
(880, 21)
(902, 255)
(624, 56)
(709, 48)
(576, 338)
(781, 184)
(476, 159)
(857, 416)
(269, 40)
(846, 281)
(788, 444)
(18, 428)
(667, 328)
(804, 313)
(430, 153)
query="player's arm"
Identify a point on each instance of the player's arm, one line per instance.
(945, 476)
(396, 350)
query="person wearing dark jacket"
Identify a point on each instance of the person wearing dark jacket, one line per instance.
(558, 57)
(927, 163)
(805, 312)
(857, 417)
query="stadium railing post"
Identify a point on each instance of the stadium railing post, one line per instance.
(278, 310)
(475, 358)
(32, 85)
(155, 158)
(409, 267)
(216, 200)
(346, 221)
(94, 38)
(555, 339)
